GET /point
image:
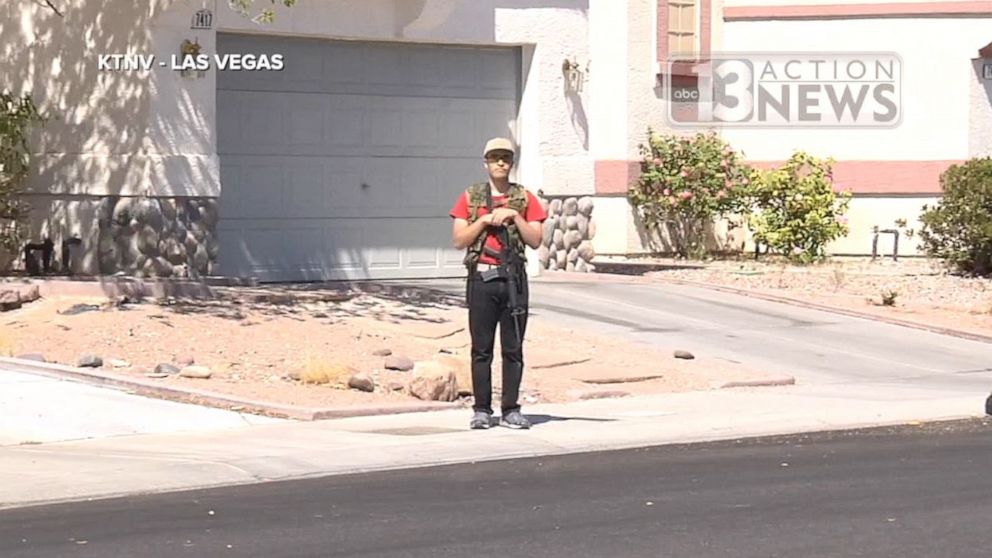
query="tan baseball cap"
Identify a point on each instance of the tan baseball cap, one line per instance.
(499, 144)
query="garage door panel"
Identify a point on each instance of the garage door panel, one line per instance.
(345, 124)
(345, 241)
(424, 243)
(382, 193)
(304, 131)
(344, 165)
(256, 193)
(344, 193)
(305, 190)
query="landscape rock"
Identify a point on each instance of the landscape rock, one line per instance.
(433, 381)
(197, 372)
(686, 355)
(382, 352)
(166, 368)
(90, 361)
(397, 362)
(362, 382)
(9, 300)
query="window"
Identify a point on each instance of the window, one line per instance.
(682, 27)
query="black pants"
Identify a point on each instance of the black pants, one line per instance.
(489, 305)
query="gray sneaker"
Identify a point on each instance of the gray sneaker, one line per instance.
(481, 421)
(515, 419)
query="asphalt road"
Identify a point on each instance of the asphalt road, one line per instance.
(916, 491)
(814, 346)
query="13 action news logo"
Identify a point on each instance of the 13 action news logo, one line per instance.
(779, 90)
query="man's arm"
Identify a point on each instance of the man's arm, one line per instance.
(530, 232)
(463, 234)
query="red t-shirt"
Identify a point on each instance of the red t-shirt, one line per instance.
(534, 212)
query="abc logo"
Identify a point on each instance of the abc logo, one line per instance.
(684, 94)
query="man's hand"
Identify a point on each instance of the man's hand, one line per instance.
(503, 215)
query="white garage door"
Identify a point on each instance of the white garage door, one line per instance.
(344, 165)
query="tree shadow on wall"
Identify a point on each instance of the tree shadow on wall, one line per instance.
(96, 140)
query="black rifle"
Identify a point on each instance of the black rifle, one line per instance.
(510, 267)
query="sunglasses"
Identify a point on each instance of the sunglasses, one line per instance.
(506, 158)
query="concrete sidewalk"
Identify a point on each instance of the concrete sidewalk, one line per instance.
(36, 409)
(218, 451)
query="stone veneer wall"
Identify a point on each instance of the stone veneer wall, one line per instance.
(566, 242)
(158, 236)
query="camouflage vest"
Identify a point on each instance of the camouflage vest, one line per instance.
(516, 198)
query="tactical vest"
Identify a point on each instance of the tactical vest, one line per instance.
(516, 198)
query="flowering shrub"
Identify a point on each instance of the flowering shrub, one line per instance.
(686, 182)
(959, 229)
(795, 210)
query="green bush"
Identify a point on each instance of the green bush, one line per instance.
(795, 211)
(17, 115)
(685, 182)
(959, 229)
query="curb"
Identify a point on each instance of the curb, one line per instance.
(213, 399)
(772, 382)
(814, 306)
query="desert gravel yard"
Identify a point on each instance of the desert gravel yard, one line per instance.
(323, 347)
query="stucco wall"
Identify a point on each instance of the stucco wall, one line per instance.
(937, 78)
(980, 133)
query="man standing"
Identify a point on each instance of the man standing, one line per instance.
(494, 221)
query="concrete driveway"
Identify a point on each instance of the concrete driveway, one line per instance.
(815, 347)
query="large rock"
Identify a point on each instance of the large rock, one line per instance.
(208, 213)
(591, 234)
(570, 207)
(173, 251)
(572, 257)
(561, 256)
(9, 300)
(166, 369)
(582, 225)
(433, 381)
(571, 240)
(30, 294)
(572, 223)
(123, 213)
(462, 366)
(585, 206)
(548, 231)
(555, 207)
(362, 382)
(149, 213)
(197, 372)
(543, 256)
(201, 260)
(586, 251)
(398, 362)
(89, 361)
(559, 239)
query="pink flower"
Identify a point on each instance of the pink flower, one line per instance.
(685, 195)
(667, 192)
(683, 174)
(672, 200)
(721, 194)
(657, 161)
